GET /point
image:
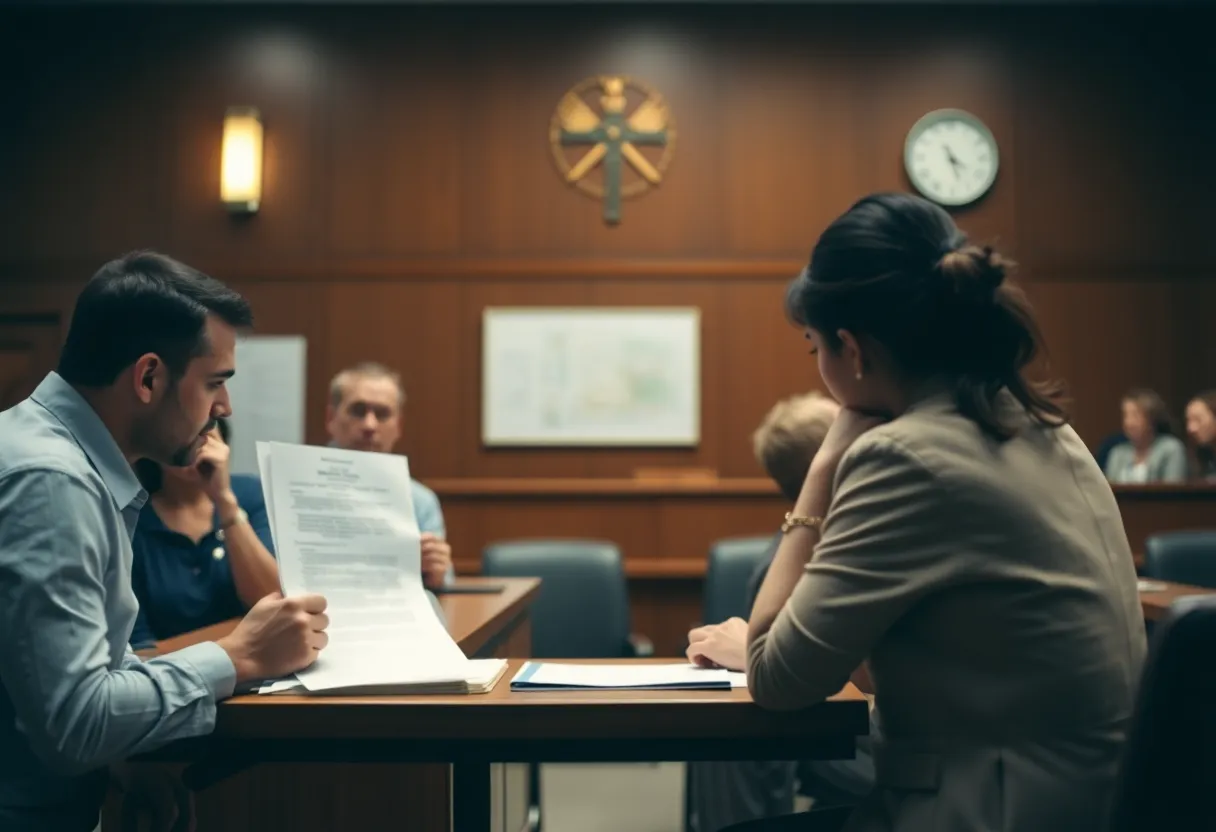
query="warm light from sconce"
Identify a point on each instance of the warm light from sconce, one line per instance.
(241, 160)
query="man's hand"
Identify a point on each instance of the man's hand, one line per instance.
(211, 463)
(719, 645)
(153, 798)
(436, 560)
(277, 637)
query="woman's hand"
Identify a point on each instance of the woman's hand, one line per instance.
(212, 467)
(719, 645)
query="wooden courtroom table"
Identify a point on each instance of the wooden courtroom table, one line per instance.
(472, 732)
(342, 794)
(1157, 603)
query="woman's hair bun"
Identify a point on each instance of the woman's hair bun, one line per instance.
(974, 272)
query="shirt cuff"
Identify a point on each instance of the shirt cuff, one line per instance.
(213, 665)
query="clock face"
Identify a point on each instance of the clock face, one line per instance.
(951, 157)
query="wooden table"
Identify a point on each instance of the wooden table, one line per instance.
(472, 732)
(341, 793)
(1157, 603)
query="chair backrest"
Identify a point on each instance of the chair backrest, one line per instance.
(732, 561)
(1183, 557)
(1169, 761)
(582, 610)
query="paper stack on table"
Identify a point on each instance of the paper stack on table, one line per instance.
(484, 674)
(343, 525)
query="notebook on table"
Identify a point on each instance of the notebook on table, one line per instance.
(540, 676)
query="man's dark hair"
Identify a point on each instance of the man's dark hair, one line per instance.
(143, 303)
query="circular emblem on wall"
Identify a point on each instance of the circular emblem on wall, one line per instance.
(612, 137)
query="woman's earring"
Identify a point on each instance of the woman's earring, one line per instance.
(859, 375)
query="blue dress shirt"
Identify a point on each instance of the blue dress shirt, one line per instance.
(73, 697)
(427, 510)
(182, 585)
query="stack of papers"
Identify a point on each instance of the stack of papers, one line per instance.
(1150, 586)
(343, 526)
(483, 676)
(554, 676)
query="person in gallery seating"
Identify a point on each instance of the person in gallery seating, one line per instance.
(1201, 429)
(1152, 453)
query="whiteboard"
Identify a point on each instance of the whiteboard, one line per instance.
(267, 395)
(591, 376)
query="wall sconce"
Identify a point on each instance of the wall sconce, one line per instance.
(241, 160)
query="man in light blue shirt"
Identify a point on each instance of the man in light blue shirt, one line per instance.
(364, 414)
(141, 375)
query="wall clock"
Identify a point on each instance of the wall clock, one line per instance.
(951, 157)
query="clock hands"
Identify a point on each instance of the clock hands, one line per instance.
(953, 160)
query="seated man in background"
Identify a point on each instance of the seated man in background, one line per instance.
(364, 414)
(726, 793)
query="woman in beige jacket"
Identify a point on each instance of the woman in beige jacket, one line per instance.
(955, 533)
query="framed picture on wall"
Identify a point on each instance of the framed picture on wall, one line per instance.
(558, 376)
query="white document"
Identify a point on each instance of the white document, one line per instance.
(738, 679)
(344, 527)
(483, 674)
(267, 395)
(622, 676)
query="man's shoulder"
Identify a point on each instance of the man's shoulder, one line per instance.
(43, 483)
(33, 446)
(423, 491)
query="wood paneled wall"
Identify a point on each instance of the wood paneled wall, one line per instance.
(408, 185)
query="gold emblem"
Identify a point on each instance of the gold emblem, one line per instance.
(593, 136)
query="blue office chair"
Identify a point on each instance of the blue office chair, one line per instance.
(1169, 760)
(732, 562)
(1187, 557)
(581, 611)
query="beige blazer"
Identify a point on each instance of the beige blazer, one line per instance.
(992, 589)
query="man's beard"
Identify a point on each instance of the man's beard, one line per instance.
(184, 455)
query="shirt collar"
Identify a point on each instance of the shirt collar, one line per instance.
(78, 416)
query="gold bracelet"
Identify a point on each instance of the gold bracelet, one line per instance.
(792, 520)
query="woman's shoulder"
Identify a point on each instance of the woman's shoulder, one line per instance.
(890, 447)
(1170, 444)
